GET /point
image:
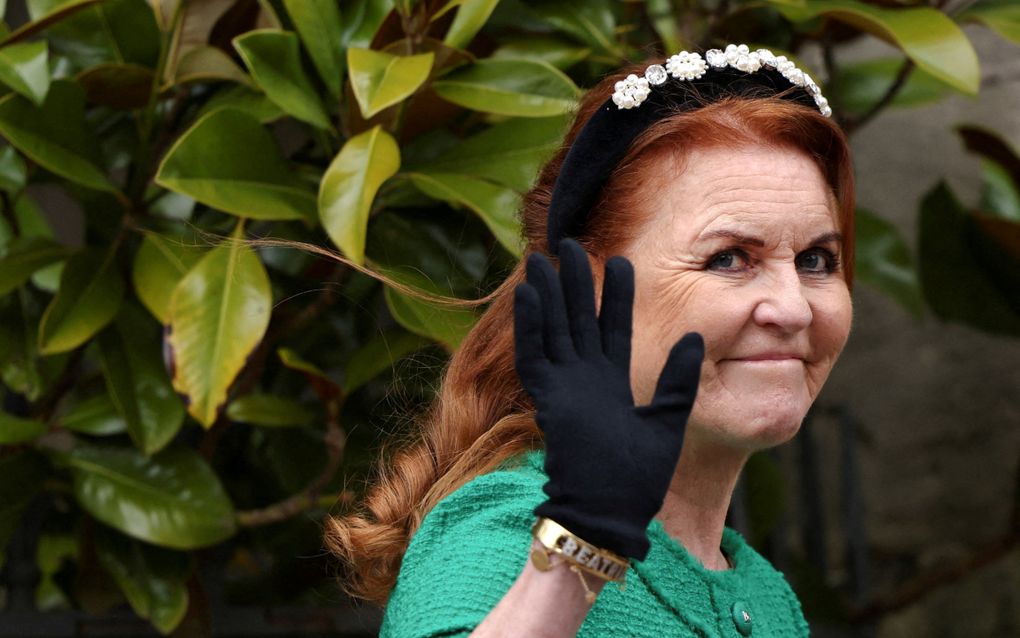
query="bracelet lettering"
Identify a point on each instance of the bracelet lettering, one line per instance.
(594, 560)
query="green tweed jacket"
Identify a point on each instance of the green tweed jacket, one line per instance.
(471, 547)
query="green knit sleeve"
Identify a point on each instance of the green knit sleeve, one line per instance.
(467, 553)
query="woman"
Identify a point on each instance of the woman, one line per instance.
(704, 232)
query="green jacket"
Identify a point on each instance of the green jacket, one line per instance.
(471, 547)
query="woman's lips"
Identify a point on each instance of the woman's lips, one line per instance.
(768, 356)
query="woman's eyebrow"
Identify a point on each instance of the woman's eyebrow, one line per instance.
(740, 238)
(827, 237)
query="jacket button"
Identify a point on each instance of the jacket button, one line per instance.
(741, 618)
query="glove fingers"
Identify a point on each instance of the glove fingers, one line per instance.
(530, 359)
(616, 314)
(579, 294)
(555, 331)
(678, 383)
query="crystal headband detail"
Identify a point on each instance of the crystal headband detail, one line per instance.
(633, 90)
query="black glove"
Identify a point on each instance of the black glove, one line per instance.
(609, 462)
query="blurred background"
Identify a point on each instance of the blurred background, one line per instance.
(181, 410)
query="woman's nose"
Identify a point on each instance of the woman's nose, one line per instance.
(782, 304)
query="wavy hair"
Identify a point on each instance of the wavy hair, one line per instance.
(481, 415)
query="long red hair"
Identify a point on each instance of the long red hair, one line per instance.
(481, 415)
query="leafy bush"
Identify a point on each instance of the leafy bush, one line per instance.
(168, 387)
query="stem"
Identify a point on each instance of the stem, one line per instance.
(852, 124)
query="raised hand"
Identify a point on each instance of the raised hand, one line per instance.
(609, 462)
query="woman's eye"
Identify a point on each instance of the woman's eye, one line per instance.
(727, 260)
(817, 260)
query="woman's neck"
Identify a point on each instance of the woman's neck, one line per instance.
(694, 510)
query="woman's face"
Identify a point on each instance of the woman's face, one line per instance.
(743, 247)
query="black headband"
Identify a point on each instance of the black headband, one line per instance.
(606, 137)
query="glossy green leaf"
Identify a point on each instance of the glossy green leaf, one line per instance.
(209, 64)
(318, 24)
(119, 86)
(110, 32)
(90, 295)
(51, 552)
(269, 410)
(1001, 16)
(883, 261)
(999, 193)
(96, 416)
(160, 263)
(860, 86)
(325, 388)
(274, 60)
(172, 499)
(24, 68)
(12, 170)
(548, 49)
(524, 88)
(55, 135)
(350, 185)
(496, 205)
(153, 579)
(378, 355)
(26, 256)
(193, 29)
(19, 367)
(254, 103)
(954, 283)
(509, 153)
(137, 381)
(929, 37)
(469, 20)
(45, 14)
(17, 430)
(382, 79)
(991, 146)
(446, 325)
(23, 474)
(228, 161)
(218, 315)
(591, 22)
(362, 19)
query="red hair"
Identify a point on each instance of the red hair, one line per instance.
(481, 415)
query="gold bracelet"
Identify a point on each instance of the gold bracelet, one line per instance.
(555, 538)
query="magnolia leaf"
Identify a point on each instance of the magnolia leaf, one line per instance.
(42, 20)
(274, 60)
(56, 135)
(350, 185)
(883, 260)
(471, 17)
(160, 263)
(96, 416)
(954, 282)
(1001, 16)
(860, 86)
(173, 499)
(209, 64)
(525, 88)
(548, 49)
(241, 98)
(17, 430)
(268, 410)
(13, 174)
(26, 256)
(137, 381)
(119, 86)
(318, 24)
(228, 161)
(509, 153)
(999, 194)
(495, 205)
(90, 295)
(153, 579)
(590, 22)
(218, 314)
(382, 79)
(24, 68)
(197, 20)
(446, 325)
(929, 37)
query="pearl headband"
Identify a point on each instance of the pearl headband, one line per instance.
(639, 102)
(633, 90)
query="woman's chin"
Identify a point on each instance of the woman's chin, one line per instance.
(755, 424)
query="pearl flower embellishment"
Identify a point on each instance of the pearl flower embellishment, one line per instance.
(633, 90)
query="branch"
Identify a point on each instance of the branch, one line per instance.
(309, 497)
(853, 123)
